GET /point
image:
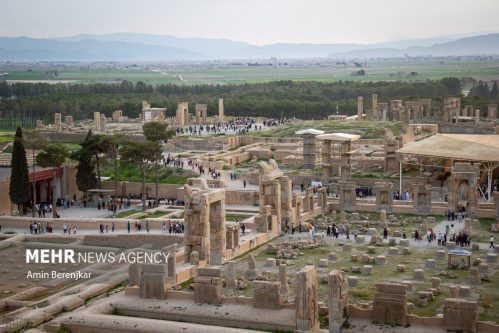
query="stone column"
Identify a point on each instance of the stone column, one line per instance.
(231, 275)
(221, 109)
(375, 107)
(477, 117)
(337, 285)
(283, 277)
(496, 201)
(307, 307)
(97, 120)
(360, 108)
(58, 121)
(390, 303)
(309, 151)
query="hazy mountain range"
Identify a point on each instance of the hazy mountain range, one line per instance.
(149, 47)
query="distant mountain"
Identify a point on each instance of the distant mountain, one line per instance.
(32, 49)
(476, 45)
(147, 47)
(209, 47)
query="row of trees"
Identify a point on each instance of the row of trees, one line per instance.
(482, 90)
(305, 100)
(116, 147)
(89, 157)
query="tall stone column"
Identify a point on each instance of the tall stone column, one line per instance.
(360, 108)
(309, 151)
(375, 107)
(337, 299)
(307, 307)
(221, 109)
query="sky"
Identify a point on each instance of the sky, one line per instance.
(254, 21)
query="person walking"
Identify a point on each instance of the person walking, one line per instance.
(128, 226)
(491, 242)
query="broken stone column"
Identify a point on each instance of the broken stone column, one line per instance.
(360, 108)
(460, 315)
(266, 295)
(283, 278)
(252, 271)
(338, 288)
(231, 274)
(307, 307)
(152, 281)
(208, 286)
(58, 121)
(390, 303)
(195, 258)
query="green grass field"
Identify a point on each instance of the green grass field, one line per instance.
(377, 70)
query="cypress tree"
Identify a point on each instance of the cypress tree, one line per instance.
(19, 177)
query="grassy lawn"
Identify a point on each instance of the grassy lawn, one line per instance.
(153, 215)
(126, 213)
(234, 217)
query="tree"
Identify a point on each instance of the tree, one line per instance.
(453, 85)
(19, 177)
(34, 141)
(141, 153)
(110, 145)
(93, 145)
(86, 178)
(494, 93)
(53, 156)
(155, 131)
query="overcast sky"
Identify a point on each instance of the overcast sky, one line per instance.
(254, 21)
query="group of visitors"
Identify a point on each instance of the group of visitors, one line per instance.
(335, 230)
(401, 196)
(173, 227)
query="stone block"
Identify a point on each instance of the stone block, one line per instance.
(323, 263)
(347, 248)
(360, 239)
(464, 291)
(418, 274)
(214, 271)
(430, 263)
(371, 249)
(491, 258)
(353, 281)
(354, 258)
(406, 251)
(460, 315)
(404, 242)
(435, 282)
(483, 268)
(441, 255)
(400, 268)
(270, 262)
(267, 295)
(371, 231)
(453, 291)
(393, 251)
(392, 241)
(332, 256)
(380, 260)
(365, 258)
(367, 270)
